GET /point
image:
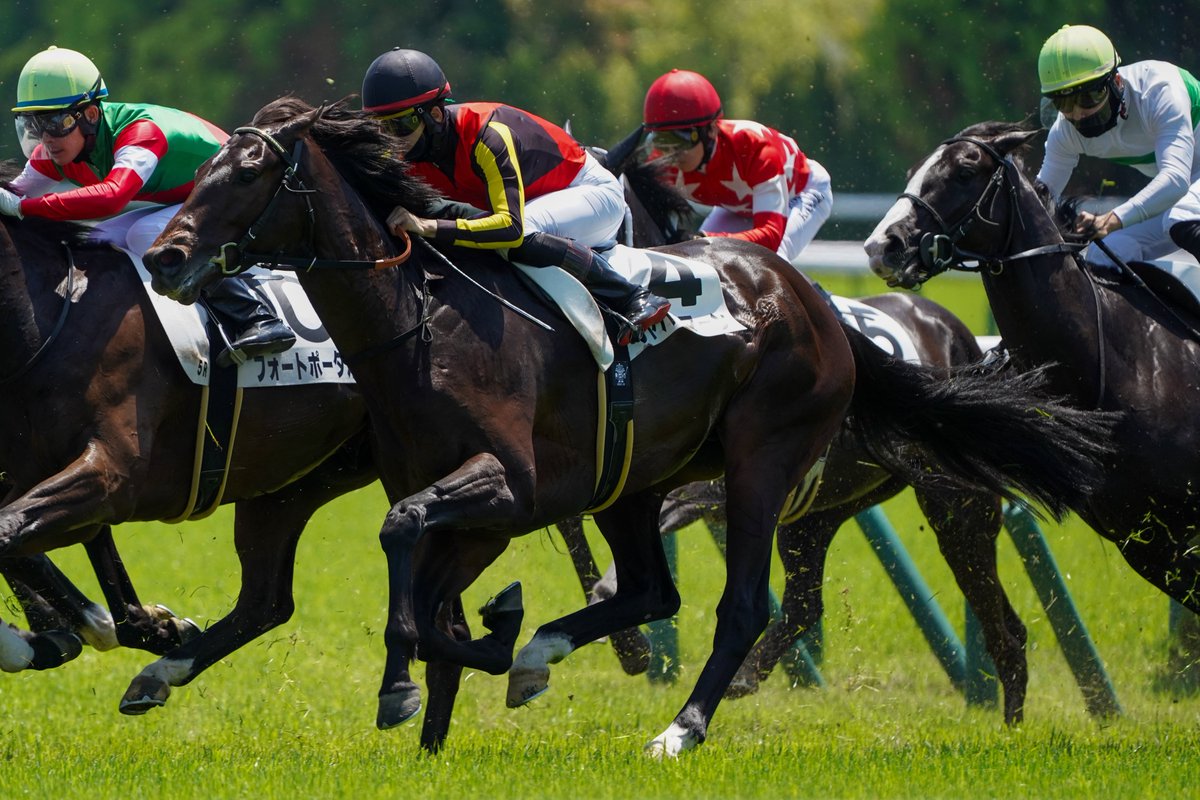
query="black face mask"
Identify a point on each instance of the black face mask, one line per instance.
(1105, 119)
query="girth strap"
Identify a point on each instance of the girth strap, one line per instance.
(614, 435)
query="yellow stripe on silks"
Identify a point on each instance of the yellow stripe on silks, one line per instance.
(237, 415)
(486, 160)
(201, 428)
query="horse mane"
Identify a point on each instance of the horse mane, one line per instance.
(41, 229)
(361, 150)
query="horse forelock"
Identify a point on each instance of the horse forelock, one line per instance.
(362, 152)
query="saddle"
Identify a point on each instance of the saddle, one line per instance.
(1167, 288)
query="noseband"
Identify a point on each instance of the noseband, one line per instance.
(939, 252)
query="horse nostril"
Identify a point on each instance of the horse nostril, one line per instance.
(164, 258)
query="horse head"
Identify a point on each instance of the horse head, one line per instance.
(955, 203)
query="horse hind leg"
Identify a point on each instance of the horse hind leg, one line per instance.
(966, 525)
(803, 546)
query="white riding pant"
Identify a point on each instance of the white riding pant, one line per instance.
(807, 212)
(589, 211)
(134, 230)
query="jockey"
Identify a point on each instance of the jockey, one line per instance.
(1144, 115)
(545, 199)
(132, 165)
(761, 186)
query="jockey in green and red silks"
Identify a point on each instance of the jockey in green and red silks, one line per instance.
(131, 166)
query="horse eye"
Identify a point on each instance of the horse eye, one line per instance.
(247, 175)
(964, 174)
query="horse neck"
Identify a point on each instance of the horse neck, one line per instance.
(1045, 307)
(20, 284)
(357, 306)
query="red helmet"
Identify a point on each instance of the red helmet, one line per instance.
(681, 99)
(401, 79)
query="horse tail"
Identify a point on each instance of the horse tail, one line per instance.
(999, 431)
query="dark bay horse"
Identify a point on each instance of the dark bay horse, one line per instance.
(98, 426)
(965, 521)
(1111, 344)
(484, 423)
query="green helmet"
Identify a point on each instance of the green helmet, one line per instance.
(1075, 55)
(58, 78)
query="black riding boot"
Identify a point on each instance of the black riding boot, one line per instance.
(251, 323)
(1187, 236)
(634, 304)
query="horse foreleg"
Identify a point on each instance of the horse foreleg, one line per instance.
(645, 591)
(155, 629)
(966, 525)
(443, 680)
(266, 531)
(476, 495)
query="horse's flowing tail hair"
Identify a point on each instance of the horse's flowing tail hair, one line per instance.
(996, 430)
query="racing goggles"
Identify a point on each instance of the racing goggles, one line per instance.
(402, 123)
(57, 123)
(1082, 98)
(675, 140)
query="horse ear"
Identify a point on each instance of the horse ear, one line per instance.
(1014, 140)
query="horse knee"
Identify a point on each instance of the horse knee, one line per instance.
(402, 526)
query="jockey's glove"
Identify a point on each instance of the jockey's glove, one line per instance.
(10, 204)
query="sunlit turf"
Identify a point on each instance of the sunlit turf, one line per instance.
(292, 714)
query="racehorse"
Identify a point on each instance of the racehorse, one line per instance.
(484, 423)
(98, 426)
(966, 522)
(1110, 343)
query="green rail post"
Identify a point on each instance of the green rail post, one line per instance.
(1098, 693)
(916, 594)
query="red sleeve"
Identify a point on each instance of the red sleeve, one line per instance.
(767, 231)
(138, 148)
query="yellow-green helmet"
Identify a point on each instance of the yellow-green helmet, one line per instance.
(58, 78)
(1073, 56)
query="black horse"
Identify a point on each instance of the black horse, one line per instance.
(484, 423)
(1109, 343)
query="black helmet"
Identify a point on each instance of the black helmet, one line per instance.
(401, 79)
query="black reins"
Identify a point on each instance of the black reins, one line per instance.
(58, 325)
(939, 252)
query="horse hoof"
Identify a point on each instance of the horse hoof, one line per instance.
(181, 629)
(633, 650)
(527, 685)
(396, 708)
(502, 615)
(671, 742)
(143, 694)
(54, 648)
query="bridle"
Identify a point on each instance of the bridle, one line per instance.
(939, 252)
(236, 257)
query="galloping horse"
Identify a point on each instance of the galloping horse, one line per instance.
(484, 423)
(966, 522)
(1110, 344)
(98, 426)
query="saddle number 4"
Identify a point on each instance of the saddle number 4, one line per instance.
(686, 288)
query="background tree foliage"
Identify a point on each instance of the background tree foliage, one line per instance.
(865, 86)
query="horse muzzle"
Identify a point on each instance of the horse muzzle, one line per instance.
(171, 277)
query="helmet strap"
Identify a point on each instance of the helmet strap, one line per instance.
(88, 129)
(709, 138)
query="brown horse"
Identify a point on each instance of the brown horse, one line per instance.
(98, 426)
(484, 422)
(1111, 343)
